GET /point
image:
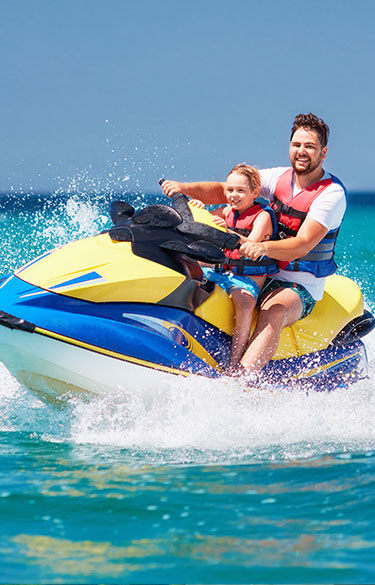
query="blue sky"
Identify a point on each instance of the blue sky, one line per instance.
(113, 94)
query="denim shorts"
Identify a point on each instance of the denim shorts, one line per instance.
(228, 280)
(307, 301)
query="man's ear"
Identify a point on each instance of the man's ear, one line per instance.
(324, 152)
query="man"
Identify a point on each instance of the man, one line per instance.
(310, 205)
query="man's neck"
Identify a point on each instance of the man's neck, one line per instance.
(304, 181)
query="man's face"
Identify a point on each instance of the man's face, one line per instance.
(305, 152)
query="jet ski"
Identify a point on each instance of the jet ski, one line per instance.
(131, 306)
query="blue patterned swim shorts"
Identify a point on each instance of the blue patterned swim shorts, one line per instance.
(307, 301)
(229, 281)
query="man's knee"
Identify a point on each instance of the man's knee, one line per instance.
(280, 314)
(271, 316)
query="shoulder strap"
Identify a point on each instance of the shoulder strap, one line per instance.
(281, 207)
(272, 214)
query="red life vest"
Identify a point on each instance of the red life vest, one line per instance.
(243, 224)
(299, 203)
(291, 213)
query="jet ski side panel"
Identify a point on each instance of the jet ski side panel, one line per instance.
(152, 334)
(99, 270)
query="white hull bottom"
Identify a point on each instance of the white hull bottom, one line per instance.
(54, 369)
(68, 369)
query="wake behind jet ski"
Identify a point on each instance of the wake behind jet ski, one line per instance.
(130, 306)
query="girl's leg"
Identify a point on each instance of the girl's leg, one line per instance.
(244, 303)
(281, 308)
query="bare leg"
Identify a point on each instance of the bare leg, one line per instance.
(281, 308)
(244, 304)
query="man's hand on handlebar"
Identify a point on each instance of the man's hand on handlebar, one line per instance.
(172, 187)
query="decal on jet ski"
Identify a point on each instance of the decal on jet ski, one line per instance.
(90, 277)
(109, 353)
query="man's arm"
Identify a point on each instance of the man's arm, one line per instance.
(308, 236)
(209, 192)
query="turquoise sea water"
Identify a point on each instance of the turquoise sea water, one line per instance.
(185, 483)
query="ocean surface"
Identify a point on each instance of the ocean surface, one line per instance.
(194, 485)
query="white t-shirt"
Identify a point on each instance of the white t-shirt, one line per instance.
(327, 209)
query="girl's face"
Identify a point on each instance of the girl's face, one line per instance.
(238, 192)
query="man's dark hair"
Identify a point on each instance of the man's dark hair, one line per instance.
(312, 122)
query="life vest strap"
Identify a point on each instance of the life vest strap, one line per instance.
(287, 232)
(280, 207)
(247, 262)
(241, 231)
(313, 256)
(243, 262)
(322, 251)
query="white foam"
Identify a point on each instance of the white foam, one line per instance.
(203, 415)
(191, 414)
(370, 347)
(197, 413)
(210, 416)
(21, 411)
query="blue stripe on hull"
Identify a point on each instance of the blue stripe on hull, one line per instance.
(324, 370)
(160, 335)
(149, 332)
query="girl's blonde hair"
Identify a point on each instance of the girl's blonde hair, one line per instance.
(252, 175)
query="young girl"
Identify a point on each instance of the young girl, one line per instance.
(242, 278)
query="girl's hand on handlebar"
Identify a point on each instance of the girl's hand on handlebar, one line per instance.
(219, 221)
(197, 203)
